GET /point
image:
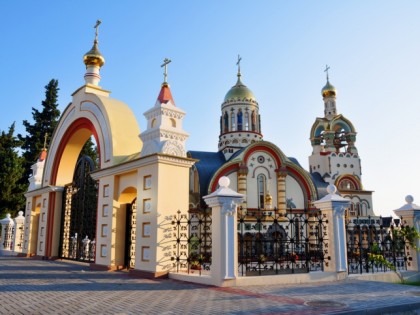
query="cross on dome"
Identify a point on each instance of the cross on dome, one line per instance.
(326, 71)
(96, 27)
(166, 61)
(238, 63)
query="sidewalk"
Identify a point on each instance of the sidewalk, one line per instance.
(54, 287)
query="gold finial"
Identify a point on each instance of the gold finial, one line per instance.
(93, 56)
(326, 71)
(238, 63)
(96, 27)
(45, 140)
(166, 61)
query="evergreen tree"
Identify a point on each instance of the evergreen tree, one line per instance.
(45, 122)
(90, 149)
(11, 189)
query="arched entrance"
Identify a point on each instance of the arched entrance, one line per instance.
(78, 218)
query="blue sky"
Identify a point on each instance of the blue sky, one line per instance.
(372, 48)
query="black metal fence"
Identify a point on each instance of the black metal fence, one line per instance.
(375, 245)
(192, 248)
(268, 242)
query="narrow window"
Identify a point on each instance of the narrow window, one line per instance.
(226, 121)
(232, 122)
(246, 120)
(240, 120)
(261, 190)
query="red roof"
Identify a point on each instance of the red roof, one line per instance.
(165, 94)
(43, 155)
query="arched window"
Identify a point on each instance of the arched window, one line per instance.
(246, 120)
(253, 121)
(173, 123)
(261, 182)
(232, 121)
(240, 120)
(153, 124)
(347, 184)
(226, 122)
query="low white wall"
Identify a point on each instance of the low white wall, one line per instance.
(262, 280)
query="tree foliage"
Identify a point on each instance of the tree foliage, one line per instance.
(90, 149)
(45, 122)
(11, 189)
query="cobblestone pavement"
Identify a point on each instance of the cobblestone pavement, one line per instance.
(30, 286)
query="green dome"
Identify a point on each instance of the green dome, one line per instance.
(239, 90)
(328, 90)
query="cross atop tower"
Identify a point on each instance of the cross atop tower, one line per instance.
(96, 27)
(238, 63)
(166, 61)
(326, 71)
(45, 140)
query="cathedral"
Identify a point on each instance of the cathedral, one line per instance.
(119, 214)
(265, 175)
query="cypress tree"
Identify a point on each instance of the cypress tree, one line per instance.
(45, 122)
(11, 189)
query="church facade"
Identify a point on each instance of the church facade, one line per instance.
(119, 215)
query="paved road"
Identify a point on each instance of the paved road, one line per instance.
(30, 286)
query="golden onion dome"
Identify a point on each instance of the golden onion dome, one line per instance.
(93, 57)
(328, 90)
(239, 91)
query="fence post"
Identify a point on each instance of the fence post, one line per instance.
(224, 202)
(410, 215)
(18, 235)
(333, 208)
(7, 225)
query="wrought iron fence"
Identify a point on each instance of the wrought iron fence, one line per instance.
(192, 248)
(270, 242)
(370, 237)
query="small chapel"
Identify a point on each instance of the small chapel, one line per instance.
(118, 215)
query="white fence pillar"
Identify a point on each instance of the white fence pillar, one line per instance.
(224, 202)
(410, 215)
(7, 228)
(333, 208)
(19, 232)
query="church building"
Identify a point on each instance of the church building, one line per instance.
(119, 214)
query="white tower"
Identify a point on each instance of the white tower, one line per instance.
(240, 123)
(35, 180)
(164, 133)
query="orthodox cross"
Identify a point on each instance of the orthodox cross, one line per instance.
(45, 140)
(238, 63)
(96, 27)
(326, 70)
(166, 61)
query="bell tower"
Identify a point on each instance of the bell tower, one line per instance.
(333, 139)
(240, 123)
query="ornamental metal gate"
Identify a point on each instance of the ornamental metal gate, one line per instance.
(130, 235)
(268, 242)
(271, 243)
(375, 245)
(78, 219)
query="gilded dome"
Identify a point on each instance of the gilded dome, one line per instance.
(239, 90)
(93, 57)
(328, 90)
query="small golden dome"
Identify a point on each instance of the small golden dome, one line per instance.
(328, 90)
(239, 90)
(93, 57)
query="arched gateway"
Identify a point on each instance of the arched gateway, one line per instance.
(127, 178)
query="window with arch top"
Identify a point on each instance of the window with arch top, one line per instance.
(261, 184)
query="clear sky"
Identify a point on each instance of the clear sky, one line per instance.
(372, 47)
